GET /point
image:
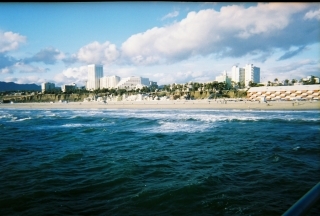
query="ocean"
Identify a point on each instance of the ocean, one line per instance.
(157, 162)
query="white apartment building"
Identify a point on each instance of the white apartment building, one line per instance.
(252, 74)
(95, 72)
(133, 82)
(238, 74)
(109, 82)
(47, 86)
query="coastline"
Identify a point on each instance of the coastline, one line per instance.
(173, 104)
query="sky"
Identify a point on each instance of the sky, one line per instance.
(167, 42)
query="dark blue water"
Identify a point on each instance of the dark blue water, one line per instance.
(156, 162)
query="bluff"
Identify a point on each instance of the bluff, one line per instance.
(192, 95)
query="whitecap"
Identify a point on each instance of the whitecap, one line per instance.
(22, 119)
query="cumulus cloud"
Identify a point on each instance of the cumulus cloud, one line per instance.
(25, 80)
(296, 70)
(98, 53)
(27, 68)
(48, 56)
(70, 59)
(233, 31)
(20, 67)
(76, 75)
(10, 41)
(314, 14)
(123, 72)
(6, 70)
(170, 15)
(182, 77)
(295, 65)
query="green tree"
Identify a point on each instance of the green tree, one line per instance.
(286, 81)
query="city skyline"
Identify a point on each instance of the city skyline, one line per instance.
(168, 42)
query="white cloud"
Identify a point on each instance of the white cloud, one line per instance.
(98, 53)
(124, 72)
(26, 68)
(48, 55)
(25, 80)
(314, 14)
(208, 31)
(10, 41)
(6, 70)
(170, 15)
(181, 77)
(296, 70)
(76, 75)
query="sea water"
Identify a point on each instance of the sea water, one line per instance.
(156, 162)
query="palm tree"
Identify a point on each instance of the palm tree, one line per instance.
(269, 83)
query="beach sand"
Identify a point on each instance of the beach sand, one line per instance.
(172, 104)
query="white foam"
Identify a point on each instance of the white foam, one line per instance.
(22, 119)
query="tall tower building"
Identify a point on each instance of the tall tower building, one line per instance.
(95, 72)
(252, 74)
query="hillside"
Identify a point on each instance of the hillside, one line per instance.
(11, 86)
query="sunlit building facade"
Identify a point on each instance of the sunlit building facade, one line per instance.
(133, 82)
(252, 74)
(109, 82)
(95, 72)
(238, 74)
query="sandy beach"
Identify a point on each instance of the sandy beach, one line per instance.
(177, 104)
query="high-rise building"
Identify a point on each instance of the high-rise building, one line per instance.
(95, 72)
(238, 74)
(109, 82)
(252, 74)
(47, 86)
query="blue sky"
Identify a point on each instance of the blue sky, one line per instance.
(166, 42)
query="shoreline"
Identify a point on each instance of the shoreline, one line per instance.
(181, 104)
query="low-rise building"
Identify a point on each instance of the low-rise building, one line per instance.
(132, 82)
